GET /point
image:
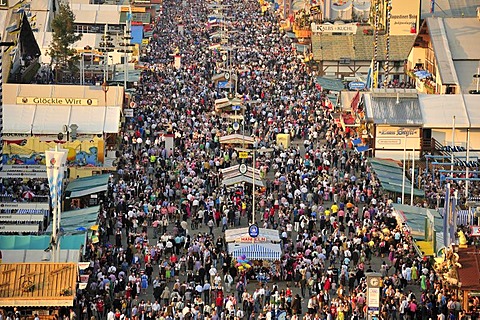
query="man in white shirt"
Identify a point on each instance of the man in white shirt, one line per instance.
(212, 272)
(111, 315)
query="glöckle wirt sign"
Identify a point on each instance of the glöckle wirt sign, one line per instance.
(58, 101)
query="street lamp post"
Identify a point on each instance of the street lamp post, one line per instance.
(404, 163)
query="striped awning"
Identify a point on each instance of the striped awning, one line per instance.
(256, 251)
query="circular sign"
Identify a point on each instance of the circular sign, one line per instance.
(224, 57)
(253, 231)
(236, 126)
(242, 168)
(374, 282)
(227, 75)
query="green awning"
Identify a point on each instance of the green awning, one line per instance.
(333, 98)
(24, 242)
(291, 35)
(143, 17)
(85, 186)
(72, 242)
(67, 242)
(330, 84)
(81, 212)
(390, 175)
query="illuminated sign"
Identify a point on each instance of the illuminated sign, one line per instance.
(58, 101)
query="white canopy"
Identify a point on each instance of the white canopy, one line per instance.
(241, 235)
(50, 119)
(438, 110)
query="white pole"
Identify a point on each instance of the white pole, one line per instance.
(453, 146)
(81, 70)
(478, 77)
(105, 57)
(404, 162)
(54, 235)
(413, 176)
(253, 184)
(468, 160)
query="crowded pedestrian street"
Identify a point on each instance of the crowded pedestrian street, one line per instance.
(162, 252)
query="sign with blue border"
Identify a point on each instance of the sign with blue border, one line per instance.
(253, 231)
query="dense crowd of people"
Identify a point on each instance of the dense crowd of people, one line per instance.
(153, 261)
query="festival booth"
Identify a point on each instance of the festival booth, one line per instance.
(237, 140)
(425, 226)
(257, 258)
(232, 176)
(85, 192)
(240, 235)
(227, 105)
(468, 275)
(37, 288)
(225, 80)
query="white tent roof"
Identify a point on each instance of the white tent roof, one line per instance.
(438, 110)
(47, 119)
(21, 256)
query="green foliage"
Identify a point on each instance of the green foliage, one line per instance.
(63, 38)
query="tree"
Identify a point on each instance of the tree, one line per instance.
(63, 38)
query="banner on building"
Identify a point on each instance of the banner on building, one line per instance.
(55, 161)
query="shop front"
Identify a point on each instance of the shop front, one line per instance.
(394, 141)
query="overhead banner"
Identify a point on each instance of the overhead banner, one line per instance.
(21, 217)
(14, 228)
(334, 28)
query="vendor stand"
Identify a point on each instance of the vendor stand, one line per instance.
(256, 258)
(38, 288)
